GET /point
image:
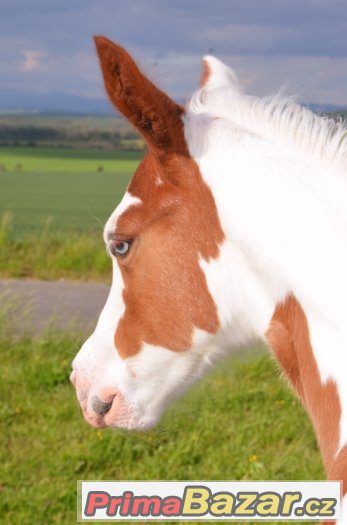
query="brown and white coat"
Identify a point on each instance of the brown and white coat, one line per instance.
(233, 229)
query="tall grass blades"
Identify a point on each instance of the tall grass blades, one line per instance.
(51, 253)
(5, 228)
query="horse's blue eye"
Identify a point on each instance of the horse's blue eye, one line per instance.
(121, 248)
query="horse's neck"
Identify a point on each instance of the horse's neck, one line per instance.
(289, 338)
(286, 217)
(287, 221)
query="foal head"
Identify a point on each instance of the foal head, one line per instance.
(155, 335)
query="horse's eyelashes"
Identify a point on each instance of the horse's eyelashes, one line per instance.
(120, 248)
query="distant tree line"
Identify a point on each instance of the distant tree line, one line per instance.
(74, 132)
(12, 134)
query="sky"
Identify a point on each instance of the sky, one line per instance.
(46, 46)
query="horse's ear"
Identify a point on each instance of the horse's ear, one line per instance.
(151, 111)
(216, 74)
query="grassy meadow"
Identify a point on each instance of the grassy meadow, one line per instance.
(53, 208)
(241, 422)
(63, 160)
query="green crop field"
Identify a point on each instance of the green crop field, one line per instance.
(241, 422)
(53, 204)
(63, 185)
(54, 160)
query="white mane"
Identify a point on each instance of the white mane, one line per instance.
(276, 118)
(278, 175)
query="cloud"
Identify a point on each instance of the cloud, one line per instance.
(32, 60)
(311, 79)
(301, 43)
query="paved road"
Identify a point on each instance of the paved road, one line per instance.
(33, 306)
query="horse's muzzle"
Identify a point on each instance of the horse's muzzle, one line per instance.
(99, 406)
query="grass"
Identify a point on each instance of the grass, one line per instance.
(71, 201)
(52, 254)
(60, 160)
(65, 187)
(241, 422)
(51, 219)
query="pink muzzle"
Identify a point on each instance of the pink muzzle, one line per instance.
(101, 407)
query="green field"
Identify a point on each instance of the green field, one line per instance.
(241, 422)
(53, 208)
(54, 160)
(63, 185)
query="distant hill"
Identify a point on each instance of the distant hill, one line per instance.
(24, 102)
(16, 101)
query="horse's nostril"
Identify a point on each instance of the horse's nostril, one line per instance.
(99, 406)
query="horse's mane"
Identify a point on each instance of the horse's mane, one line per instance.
(278, 118)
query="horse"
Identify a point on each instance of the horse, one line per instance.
(232, 230)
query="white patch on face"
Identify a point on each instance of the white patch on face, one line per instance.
(98, 352)
(147, 381)
(98, 359)
(98, 364)
(127, 201)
